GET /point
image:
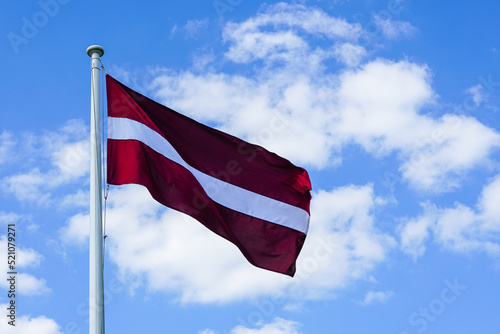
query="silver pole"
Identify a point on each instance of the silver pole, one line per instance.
(96, 295)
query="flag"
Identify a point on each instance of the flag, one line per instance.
(256, 199)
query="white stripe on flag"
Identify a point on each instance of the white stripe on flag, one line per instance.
(226, 194)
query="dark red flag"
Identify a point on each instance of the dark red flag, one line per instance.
(244, 193)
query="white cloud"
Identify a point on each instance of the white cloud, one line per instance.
(31, 286)
(26, 187)
(488, 205)
(7, 143)
(173, 31)
(460, 229)
(380, 102)
(29, 325)
(380, 111)
(9, 217)
(309, 19)
(457, 144)
(343, 244)
(72, 160)
(376, 297)
(463, 229)
(202, 60)
(349, 54)
(207, 331)
(78, 199)
(296, 307)
(61, 157)
(414, 234)
(252, 40)
(76, 231)
(275, 46)
(14, 218)
(192, 27)
(394, 29)
(478, 94)
(25, 257)
(278, 326)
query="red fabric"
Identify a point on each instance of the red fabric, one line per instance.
(264, 244)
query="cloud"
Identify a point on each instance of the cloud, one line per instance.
(349, 54)
(380, 102)
(10, 217)
(478, 94)
(25, 258)
(29, 325)
(72, 160)
(344, 245)
(376, 297)
(202, 61)
(7, 143)
(31, 286)
(456, 144)
(459, 229)
(278, 326)
(79, 199)
(26, 187)
(413, 235)
(192, 27)
(308, 19)
(276, 34)
(14, 218)
(76, 231)
(463, 229)
(296, 307)
(61, 158)
(392, 29)
(380, 110)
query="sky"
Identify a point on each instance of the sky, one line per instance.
(392, 107)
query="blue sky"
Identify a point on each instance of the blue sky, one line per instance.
(392, 106)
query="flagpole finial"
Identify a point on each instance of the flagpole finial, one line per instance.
(95, 49)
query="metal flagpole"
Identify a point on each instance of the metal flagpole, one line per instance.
(96, 280)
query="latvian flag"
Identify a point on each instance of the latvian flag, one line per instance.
(244, 193)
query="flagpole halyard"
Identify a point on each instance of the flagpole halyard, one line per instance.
(96, 289)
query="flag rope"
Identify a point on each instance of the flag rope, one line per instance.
(104, 136)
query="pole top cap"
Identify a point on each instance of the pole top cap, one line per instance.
(95, 49)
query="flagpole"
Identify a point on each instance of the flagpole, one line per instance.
(96, 294)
